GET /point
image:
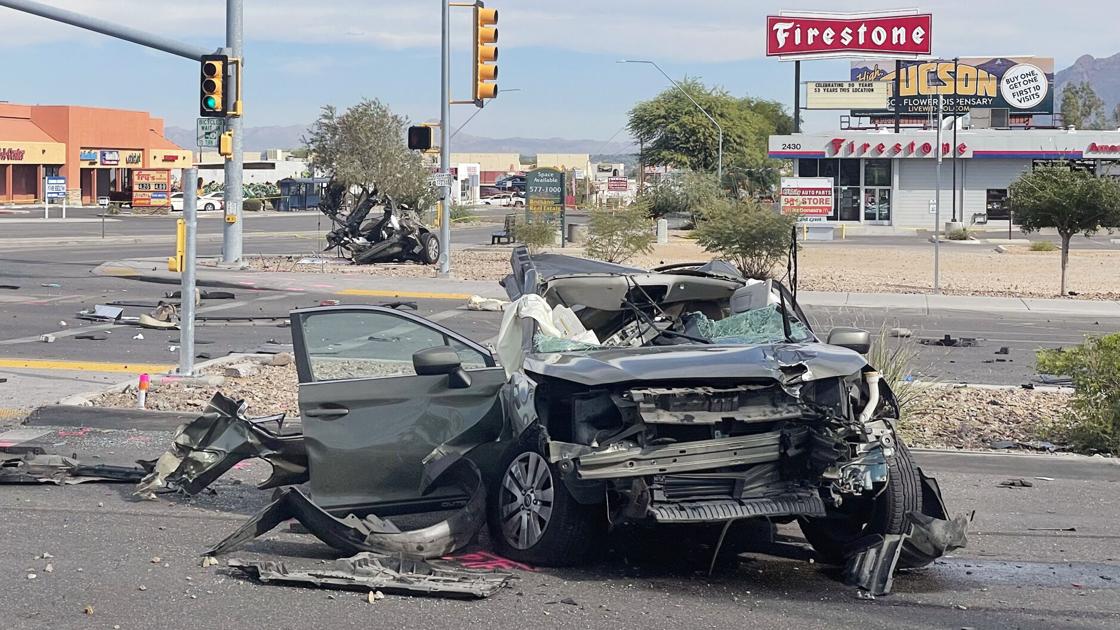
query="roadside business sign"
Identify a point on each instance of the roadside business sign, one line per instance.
(794, 35)
(618, 184)
(809, 198)
(544, 189)
(56, 188)
(1022, 85)
(208, 132)
(110, 157)
(847, 94)
(436, 180)
(151, 188)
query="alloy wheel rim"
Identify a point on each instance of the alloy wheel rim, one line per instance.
(525, 500)
(433, 248)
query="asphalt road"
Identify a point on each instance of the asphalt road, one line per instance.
(136, 563)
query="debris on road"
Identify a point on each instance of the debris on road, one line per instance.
(479, 303)
(92, 336)
(902, 333)
(46, 338)
(59, 470)
(376, 572)
(10, 287)
(950, 341)
(103, 313)
(1016, 483)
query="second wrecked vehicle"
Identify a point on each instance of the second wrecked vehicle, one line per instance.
(679, 396)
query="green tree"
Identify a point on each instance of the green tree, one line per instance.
(1071, 201)
(675, 133)
(364, 147)
(1082, 108)
(751, 235)
(687, 193)
(1092, 420)
(616, 235)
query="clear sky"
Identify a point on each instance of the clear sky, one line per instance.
(560, 54)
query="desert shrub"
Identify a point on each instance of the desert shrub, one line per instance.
(895, 361)
(748, 234)
(114, 208)
(536, 233)
(959, 235)
(252, 205)
(617, 234)
(462, 214)
(1092, 421)
(1043, 246)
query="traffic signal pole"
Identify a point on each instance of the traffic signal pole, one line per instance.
(232, 233)
(445, 142)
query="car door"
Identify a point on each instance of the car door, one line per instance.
(369, 420)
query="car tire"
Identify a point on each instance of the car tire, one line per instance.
(429, 248)
(890, 512)
(208, 207)
(534, 519)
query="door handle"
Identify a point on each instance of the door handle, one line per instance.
(327, 413)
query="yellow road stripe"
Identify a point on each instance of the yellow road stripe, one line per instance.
(83, 366)
(422, 295)
(10, 414)
(120, 272)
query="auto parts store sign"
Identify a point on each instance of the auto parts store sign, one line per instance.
(800, 35)
(807, 197)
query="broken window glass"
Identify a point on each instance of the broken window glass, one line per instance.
(761, 325)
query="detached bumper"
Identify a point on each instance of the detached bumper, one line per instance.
(730, 510)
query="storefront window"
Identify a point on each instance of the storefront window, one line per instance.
(877, 173)
(849, 172)
(807, 168)
(848, 203)
(997, 206)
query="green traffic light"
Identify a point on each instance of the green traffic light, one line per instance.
(210, 102)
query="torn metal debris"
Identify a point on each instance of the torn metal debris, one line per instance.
(381, 572)
(208, 446)
(370, 533)
(56, 469)
(950, 341)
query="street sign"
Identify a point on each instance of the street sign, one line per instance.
(618, 184)
(441, 180)
(544, 188)
(56, 188)
(807, 197)
(209, 131)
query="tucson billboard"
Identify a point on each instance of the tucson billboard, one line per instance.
(1022, 85)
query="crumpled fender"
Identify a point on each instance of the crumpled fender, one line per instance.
(353, 535)
(205, 448)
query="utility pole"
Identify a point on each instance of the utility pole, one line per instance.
(186, 293)
(232, 233)
(445, 142)
(937, 204)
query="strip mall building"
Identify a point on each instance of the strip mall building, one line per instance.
(95, 149)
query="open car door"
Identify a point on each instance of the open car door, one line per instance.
(379, 389)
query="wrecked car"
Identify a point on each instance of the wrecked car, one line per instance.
(398, 235)
(686, 395)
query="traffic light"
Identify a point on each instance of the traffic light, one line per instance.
(212, 103)
(420, 138)
(485, 53)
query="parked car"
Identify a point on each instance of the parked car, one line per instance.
(511, 200)
(683, 396)
(512, 182)
(212, 201)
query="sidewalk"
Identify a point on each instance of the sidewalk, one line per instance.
(155, 270)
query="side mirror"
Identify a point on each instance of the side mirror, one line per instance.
(441, 360)
(850, 338)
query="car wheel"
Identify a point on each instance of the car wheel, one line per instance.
(534, 519)
(429, 248)
(209, 206)
(887, 513)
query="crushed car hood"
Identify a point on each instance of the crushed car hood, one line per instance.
(775, 361)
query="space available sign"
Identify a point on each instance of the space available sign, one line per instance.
(1023, 85)
(801, 34)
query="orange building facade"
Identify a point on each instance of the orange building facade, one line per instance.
(95, 149)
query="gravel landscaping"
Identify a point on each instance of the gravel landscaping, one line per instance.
(954, 417)
(966, 269)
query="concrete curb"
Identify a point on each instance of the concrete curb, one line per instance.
(83, 399)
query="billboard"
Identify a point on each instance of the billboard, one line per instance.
(1023, 85)
(846, 94)
(806, 35)
(807, 197)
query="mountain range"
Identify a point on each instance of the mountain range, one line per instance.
(289, 137)
(1102, 74)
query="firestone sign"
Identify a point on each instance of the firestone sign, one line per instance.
(839, 147)
(821, 35)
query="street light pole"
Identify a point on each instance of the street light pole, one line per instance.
(445, 143)
(233, 192)
(937, 204)
(719, 167)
